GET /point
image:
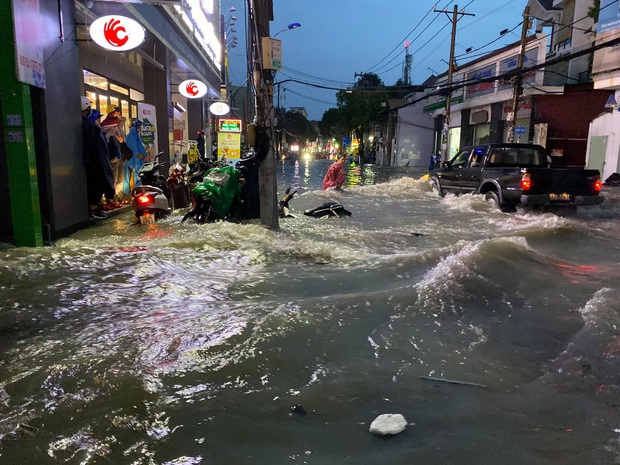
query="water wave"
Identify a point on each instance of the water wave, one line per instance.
(447, 278)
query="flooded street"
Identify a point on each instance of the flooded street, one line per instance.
(496, 335)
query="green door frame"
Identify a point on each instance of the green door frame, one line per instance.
(18, 140)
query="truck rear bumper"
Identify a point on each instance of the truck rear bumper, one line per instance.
(544, 200)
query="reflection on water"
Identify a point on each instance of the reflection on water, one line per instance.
(180, 343)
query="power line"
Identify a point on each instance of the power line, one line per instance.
(406, 37)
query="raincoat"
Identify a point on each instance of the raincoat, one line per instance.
(335, 176)
(133, 165)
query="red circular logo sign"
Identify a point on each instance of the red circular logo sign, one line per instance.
(117, 33)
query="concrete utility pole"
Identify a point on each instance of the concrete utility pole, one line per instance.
(456, 15)
(260, 14)
(519, 77)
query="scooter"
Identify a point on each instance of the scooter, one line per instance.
(151, 199)
(178, 186)
(283, 208)
(217, 197)
(328, 210)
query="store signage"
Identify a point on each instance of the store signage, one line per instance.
(229, 125)
(219, 108)
(28, 40)
(117, 33)
(192, 88)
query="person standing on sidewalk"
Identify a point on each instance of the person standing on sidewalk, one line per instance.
(114, 155)
(99, 179)
(114, 126)
(200, 139)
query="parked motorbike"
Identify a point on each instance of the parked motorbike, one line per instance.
(218, 197)
(178, 186)
(196, 172)
(151, 199)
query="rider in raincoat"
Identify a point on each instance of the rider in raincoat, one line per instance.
(132, 166)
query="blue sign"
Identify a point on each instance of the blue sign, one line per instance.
(346, 141)
(519, 129)
(609, 16)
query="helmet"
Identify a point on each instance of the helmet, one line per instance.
(85, 103)
(200, 131)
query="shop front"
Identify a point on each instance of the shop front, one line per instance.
(180, 42)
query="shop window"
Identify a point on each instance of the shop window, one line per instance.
(125, 108)
(95, 80)
(92, 96)
(119, 89)
(103, 103)
(134, 111)
(136, 95)
(482, 134)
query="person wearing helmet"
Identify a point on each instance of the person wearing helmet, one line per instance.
(200, 138)
(99, 177)
(114, 128)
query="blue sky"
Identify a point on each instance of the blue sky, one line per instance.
(339, 38)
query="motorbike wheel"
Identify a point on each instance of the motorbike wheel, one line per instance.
(202, 212)
(206, 213)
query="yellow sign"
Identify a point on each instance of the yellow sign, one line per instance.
(229, 146)
(192, 151)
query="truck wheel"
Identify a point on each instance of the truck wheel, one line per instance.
(494, 196)
(436, 187)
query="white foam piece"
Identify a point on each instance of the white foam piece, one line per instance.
(388, 424)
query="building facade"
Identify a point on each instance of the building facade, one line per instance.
(181, 42)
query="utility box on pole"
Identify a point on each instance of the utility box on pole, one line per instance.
(272, 53)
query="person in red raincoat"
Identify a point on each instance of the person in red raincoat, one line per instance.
(335, 174)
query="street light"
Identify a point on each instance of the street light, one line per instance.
(290, 26)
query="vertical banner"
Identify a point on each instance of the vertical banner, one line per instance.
(192, 151)
(229, 146)
(28, 48)
(148, 129)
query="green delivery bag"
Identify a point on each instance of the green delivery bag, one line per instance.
(221, 185)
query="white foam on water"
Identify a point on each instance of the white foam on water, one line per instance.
(447, 277)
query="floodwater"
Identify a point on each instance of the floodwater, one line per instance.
(496, 335)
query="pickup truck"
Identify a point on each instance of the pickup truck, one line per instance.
(516, 174)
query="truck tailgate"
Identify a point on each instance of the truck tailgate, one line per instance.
(574, 181)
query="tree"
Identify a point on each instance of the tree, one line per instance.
(361, 106)
(332, 125)
(594, 10)
(298, 128)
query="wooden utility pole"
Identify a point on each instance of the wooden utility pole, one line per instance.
(456, 15)
(518, 89)
(260, 14)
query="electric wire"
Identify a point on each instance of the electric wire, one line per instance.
(406, 37)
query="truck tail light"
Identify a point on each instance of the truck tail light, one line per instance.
(526, 182)
(597, 185)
